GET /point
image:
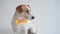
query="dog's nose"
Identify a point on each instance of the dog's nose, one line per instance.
(33, 17)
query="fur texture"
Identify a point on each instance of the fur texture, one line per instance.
(23, 11)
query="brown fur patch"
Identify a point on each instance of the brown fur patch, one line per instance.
(21, 8)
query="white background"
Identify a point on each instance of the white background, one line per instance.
(46, 12)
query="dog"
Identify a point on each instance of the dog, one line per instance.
(21, 21)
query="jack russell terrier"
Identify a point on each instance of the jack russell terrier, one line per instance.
(21, 20)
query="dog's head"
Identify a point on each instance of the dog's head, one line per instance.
(24, 10)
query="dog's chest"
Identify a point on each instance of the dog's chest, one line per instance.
(22, 26)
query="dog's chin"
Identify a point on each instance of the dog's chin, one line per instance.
(29, 18)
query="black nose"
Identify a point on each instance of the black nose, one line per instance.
(33, 17)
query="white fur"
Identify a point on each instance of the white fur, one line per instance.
(23, 27)
(28, 8)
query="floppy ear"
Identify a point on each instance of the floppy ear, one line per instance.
(19, 8)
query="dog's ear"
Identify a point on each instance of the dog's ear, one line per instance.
(19, 8)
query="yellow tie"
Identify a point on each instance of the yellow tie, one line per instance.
(17, 22)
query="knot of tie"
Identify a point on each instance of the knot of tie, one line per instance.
(18, 21)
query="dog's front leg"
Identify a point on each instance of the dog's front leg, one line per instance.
(30, 31)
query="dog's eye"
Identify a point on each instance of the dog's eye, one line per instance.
(26, 11)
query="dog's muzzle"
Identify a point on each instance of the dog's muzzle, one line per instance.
(30, 17)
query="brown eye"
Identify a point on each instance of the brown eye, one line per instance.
(26, 11)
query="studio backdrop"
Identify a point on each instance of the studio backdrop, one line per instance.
(46, 12)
